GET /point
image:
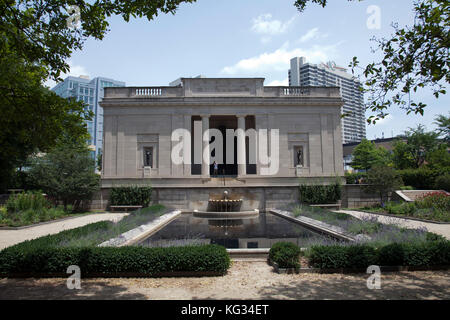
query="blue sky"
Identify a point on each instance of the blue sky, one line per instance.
(249, 38)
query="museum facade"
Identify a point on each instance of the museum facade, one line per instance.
(207, 134)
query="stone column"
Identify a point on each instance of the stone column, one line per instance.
(205, 149)
(241, 158)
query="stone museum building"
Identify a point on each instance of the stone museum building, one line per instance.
(192, 141)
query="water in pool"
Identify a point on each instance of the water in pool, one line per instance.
(259, 232)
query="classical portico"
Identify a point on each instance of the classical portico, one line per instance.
(271, 136)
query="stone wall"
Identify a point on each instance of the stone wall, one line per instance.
(353, 196)
(262, 198)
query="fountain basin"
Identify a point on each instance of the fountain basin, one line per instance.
(226, 215)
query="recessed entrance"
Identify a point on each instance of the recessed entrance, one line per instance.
(227, 168)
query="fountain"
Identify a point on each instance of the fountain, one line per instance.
(225, 208)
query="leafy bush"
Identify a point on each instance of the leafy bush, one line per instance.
(421, 179)
(438, 200)
(404, 208)
(112, 261)
(396, 254)
(132, 195)
(355, 177)
(391, 255)
(285, 254)
(27, 200)
(333, 257)
(442, 182)
(320, 194)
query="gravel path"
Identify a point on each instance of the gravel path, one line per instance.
(442, 229)
(11, 237)
(245, 280)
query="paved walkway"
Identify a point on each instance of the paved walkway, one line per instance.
(442, 229)
(244, 280)
(11, 237)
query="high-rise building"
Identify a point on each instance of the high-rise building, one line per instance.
(329, 74)
(91, 92)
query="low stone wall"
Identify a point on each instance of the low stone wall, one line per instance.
(261, 198)
(354, 196)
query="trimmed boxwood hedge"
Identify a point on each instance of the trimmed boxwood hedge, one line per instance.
(111, 261)
(285, 254)
(430, 253)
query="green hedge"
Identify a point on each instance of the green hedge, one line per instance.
(320, 194)
(132, 195)
(396, 254)
(285, 254)
(422, 178)
(442, 182)
(111, 261)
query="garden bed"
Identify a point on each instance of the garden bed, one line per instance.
(366, 230)
(396, 257)
(365, 210)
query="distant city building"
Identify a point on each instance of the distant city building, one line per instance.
(178, 82)
(329, 75)
(91, 92)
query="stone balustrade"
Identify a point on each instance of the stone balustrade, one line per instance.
(170, 92)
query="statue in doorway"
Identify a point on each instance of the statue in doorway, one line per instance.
(300, 157)
(148, 158)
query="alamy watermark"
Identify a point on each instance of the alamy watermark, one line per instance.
(374, 281)
(74, 281)
(374, 20)
(262, 147)
(74, 20)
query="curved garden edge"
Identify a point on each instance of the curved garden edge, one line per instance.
(174, 274)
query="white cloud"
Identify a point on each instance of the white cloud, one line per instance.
(283, 83)
(279, 60)
(264, 24)
(313, 33)
(75, 71)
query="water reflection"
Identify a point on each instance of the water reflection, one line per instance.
(260, 232)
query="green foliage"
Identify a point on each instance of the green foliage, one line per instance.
(404, 208)
(383, 180)
(285, 254)
(442, 182)
(427, 253)
(27, 200)
(66, 173)
(36, 42)
(333, 257)
(422, 178)
(355, 177)
(320, 194)
(420, 148)
(112, 261)
(132, 195)
(366, 155)
(443, 124)
(438, 200)
(415, 57)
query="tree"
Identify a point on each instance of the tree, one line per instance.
(36, 39)
(366, 155)
(48, 31)
(383, 180)
(66, 173)
(32, 117)
(443, 124)
(415, 57)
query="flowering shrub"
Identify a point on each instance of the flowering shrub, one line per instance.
(437, 200)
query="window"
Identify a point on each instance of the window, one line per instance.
(148, 157)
